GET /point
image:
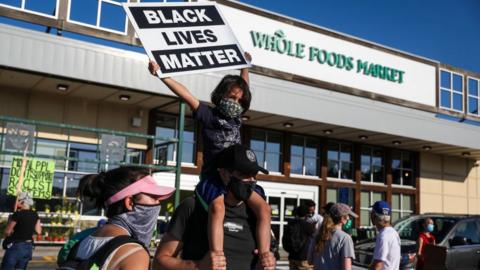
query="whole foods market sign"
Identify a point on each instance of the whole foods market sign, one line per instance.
(288, 48)
(279, 43)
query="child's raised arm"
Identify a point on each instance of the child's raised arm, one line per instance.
(177, 88)
(244, 71)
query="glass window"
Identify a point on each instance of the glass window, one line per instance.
(267, 146)
(52, 148)
(46, 6)
(367, 198)
(402, 205)
(473, 97)
(372, 164)
(341, 195)
(469, 230)
(402, 168)
(84, 11)
(166, 126)
(340, 163)
(451, 91)
(304, 157)
(113, 17)
(88, 155)
(13, 3)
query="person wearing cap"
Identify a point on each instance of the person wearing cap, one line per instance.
(20, 228)
(187, 233)
(387, 253)
(131, 198)
(332, 248)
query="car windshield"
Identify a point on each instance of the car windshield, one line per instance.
(409, 228)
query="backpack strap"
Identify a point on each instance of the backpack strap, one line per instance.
(72, 253)
(99, 258)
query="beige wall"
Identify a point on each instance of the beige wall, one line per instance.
(449, 184)
(76, 111)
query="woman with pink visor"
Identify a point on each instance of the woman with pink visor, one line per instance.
(131, 199)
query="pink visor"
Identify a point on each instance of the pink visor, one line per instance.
(146, 185)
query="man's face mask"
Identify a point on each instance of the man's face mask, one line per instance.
(242, 190)
(230, 108)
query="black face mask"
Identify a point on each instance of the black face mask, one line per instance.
(241, 190)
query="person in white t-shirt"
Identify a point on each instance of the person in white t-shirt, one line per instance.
(387, 247)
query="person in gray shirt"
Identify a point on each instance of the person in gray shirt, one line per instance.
(332, 248)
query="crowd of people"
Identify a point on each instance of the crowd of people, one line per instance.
(224, 225)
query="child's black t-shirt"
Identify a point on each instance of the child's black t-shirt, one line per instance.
(218, 133)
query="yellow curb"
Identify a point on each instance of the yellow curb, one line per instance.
(50, 258)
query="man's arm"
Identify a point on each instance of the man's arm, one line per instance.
(9, 228)
(166, 258)
(347, 264)
(376, 265)
(38, 227)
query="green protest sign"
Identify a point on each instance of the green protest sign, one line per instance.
(38, 177)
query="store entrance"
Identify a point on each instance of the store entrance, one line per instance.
(282, 206)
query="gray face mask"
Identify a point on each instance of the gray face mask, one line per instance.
(230, 108)
(140, 222)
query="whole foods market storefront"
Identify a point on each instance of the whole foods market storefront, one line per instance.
(333, 117)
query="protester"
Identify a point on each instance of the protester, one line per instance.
(326, 208)
(18, 233)
(296, 239)
(131, 198)
(185, 244)
(425, 238)
(387, 247)
(332, 248)
(313, 217)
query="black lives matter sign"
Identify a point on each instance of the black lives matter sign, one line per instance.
(186, 37)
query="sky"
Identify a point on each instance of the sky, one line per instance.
(447, 31)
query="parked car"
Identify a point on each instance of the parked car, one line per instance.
(459, 234)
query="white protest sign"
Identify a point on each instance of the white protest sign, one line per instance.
(186, 38)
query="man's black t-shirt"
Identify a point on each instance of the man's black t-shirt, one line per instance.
(25, 225)
(189, 225)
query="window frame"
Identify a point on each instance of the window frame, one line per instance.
(371, 149)
(477, 97)
(351, 161)
(401, 168)
(303, 157)
(175, 135)
(265, 137)
(402, 212)
(370, 202)
(451, 91)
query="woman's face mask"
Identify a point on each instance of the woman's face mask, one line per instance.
(140, 222)
(242, 190)
(347, 226)
(430, 227)
(230, 108)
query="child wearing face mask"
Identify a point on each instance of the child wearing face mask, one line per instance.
(425, 238)
(221, 129)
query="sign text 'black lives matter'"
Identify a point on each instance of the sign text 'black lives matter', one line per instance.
(186, 37)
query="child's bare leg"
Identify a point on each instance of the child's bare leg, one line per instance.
(263, 214)
(216, 215)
